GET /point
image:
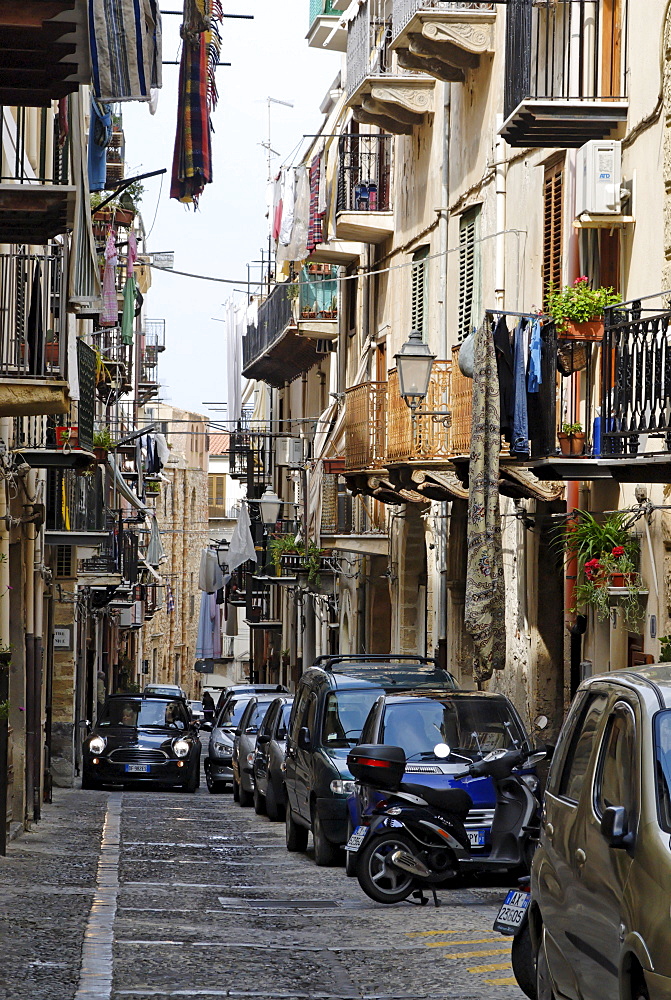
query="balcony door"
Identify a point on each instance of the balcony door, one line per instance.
(612, 46)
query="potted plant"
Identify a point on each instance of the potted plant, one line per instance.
(571, 439)
(279, 546)
(67, 436)
(102, 442)
(51, 351)
(665, 652)
(578, 309)
(601, 587)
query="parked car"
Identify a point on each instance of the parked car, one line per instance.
(165, 690)
(271, 744)
(237, 689)
(140, 739)
(196, 709)
(331, 704)
(244, 746)
(601, 877)
(219, 760)
(471, 723)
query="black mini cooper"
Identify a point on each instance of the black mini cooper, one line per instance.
(141, 739)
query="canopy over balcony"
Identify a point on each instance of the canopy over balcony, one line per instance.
(566, 71)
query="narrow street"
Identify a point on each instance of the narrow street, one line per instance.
(174, 895)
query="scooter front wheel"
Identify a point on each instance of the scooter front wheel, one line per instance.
(379, 878)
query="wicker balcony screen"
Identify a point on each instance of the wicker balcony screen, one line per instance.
(461, 403)
(431, 441)
(365, 425)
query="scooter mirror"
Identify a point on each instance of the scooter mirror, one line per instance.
(442, 750)
(541, 722)
(535, 758)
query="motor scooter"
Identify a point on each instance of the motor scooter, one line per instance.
(416, 839)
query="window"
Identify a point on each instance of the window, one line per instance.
(419, 306)
(617, 764)
(663, 768)
(469, 271)
(580, 747)
(298, 711)
(63, 561)
(216, 488)
(553, 198)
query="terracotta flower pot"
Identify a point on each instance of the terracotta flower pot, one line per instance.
(577, 444)
(100, 454)
(564, 443)
(591, 330)
(621, 579)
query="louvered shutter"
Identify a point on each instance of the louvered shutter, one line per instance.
(552, 227)
(419, 308)
(469, 261)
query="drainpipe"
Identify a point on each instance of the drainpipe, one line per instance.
(501, 171)
(443, 236)
(365, 310)
(29, 604)
(4, 639)
(39, 669)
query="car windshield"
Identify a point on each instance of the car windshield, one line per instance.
(391, 674)
(232, 712)
(663, 768)
(258, 712)
(197, 706)
(345, 714)
(470, 726)
(142, 714)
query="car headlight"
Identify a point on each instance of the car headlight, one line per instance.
(97, 744)
(250, 757)
(531, 781)
(181, 748)
(340, 787)
(223, 748)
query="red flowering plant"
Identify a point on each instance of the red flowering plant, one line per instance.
(578, 302)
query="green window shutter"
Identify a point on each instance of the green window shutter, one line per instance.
(419, 297)
(469, 271)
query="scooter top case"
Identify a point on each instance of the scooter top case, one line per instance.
(377, 765)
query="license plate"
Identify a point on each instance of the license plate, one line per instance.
(356, 840)
(511, 914)
(138, 768)
(476, 837)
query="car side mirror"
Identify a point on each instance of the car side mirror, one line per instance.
(85, 722)
(263, 739)
(304, 740)
(281, 734)
(206, 727)
(614, 827)
(251, 730)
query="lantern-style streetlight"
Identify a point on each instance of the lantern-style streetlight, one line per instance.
(413, 364)
(269, 505)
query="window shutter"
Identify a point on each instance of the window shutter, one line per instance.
(419, 309)
(552, 227)
(469, 259)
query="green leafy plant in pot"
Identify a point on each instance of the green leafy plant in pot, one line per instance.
(571, 439)
(578, 309)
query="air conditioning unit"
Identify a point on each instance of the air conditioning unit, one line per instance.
(599, 178)
(289, 451)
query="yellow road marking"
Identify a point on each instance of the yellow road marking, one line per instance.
(475, 954)
(450, 944)
(429, 933)
(494, 967)
(509, 981)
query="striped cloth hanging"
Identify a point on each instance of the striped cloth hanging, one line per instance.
(126, 49)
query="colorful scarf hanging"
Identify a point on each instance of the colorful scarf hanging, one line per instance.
(192, 160)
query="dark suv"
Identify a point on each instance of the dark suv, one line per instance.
(331, 704)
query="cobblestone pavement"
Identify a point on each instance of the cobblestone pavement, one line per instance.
(199, 898)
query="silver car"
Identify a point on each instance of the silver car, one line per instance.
(244, 745)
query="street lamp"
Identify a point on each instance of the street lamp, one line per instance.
(413, 364)
(269, 505)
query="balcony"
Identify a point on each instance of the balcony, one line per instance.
(274, 350)
(32, 334)
(325, 31)
(318, 303)
(364, 188)
(116, 562)
(44, 50)
(115, 369)
(430, 441)
(442, 38)
(75, 512)
(36, 200)
(251, 459)
(379, 90)
(566, 72)
(365, 426)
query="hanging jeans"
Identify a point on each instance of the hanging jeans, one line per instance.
(520, 441)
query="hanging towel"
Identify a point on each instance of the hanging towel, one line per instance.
(484, 614)
(128, 318)
(316, 217)
(100, 132)
(210, 574)
(519, 445)
(241, 547)
(204, 641)
(110, 314)
(35, 327)
(126, 51)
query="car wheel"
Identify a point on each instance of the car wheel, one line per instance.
(272, 808)
(236, 791)
(213, 787)
(326, 853)
(378, 878)
(296, 836)
(640, 990)
(523, 961)
(89, 783)
(350, 856)
(245, 798)
(544, 989)
(259, 802)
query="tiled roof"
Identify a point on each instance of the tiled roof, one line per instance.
(218, 444)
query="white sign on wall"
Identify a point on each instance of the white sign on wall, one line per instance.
(63, 637)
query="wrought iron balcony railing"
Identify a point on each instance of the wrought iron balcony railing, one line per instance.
(366, 426)
(32, 315)
(364, 173)
(368, 51)
(118, 554)
(636, 379)
(74, 502)
(252, 458)
(275, 315)
(404, 10)
(318, 295)
(566, 71)
(51, 163)
(427, 440)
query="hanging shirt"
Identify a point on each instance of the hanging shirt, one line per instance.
(128, 318)
(535, 374)
(519, 445)
(504, 366)
(110, 314)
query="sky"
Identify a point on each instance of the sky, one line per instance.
(269, 57)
